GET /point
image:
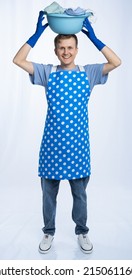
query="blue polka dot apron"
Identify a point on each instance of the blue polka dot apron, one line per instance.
(65, 148)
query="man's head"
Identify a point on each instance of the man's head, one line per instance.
(66, 48)
(60, 37)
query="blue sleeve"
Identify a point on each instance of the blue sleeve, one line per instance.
(94, 74)
(41, 74)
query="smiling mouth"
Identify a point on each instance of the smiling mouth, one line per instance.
(67, 57)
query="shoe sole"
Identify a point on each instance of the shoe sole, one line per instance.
(44, 251)
(86, 251)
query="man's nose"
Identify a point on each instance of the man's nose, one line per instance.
(65, 51)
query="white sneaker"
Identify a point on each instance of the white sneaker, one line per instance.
(45, 244)
(85, 244)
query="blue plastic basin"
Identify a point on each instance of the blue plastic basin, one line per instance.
(65, 24)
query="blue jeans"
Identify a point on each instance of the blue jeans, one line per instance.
(50, 190)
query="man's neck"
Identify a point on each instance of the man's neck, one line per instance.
(68, 67)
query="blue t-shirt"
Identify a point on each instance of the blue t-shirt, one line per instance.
(93, 72)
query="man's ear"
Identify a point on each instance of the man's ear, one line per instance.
(55, 51)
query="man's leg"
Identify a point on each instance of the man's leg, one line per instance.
(79, 210)
(50, 190)
(79, 213)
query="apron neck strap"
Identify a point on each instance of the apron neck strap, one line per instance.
(53, 69)
(81, 68)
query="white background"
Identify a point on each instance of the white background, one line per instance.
(22, 114)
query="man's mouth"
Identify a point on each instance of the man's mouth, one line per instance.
(66, 57)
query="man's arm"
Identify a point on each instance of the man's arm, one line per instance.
(113, 60)
(20, 58)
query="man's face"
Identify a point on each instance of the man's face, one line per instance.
(66, 52)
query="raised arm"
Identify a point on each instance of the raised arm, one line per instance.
(113, 60)
(20, 58)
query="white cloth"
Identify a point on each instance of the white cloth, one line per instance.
(79, 11)
(54, 8)
(76, 12)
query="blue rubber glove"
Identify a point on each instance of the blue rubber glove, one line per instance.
(91, 35)
(39, 30)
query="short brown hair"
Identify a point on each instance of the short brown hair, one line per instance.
(63, 37)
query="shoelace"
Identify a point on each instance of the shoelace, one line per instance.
(85, 239)
(46, 238)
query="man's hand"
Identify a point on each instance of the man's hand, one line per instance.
(89, 32)
(39, 30)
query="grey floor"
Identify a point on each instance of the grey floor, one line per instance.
(109, 220)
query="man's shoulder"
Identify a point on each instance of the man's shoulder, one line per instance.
(42, 66)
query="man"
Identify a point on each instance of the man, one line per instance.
(65, 150)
